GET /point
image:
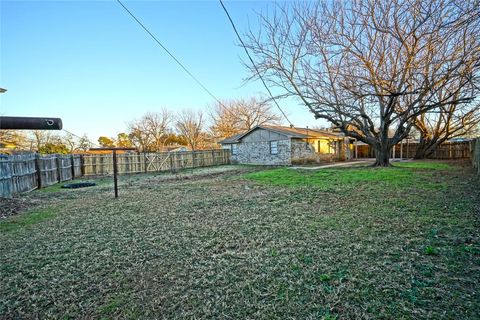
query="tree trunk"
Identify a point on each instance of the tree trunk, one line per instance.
(426, 147)
(421, 152)
(382, 156)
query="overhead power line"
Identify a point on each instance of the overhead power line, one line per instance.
(80, 138)
(253, 63)
(170, 54)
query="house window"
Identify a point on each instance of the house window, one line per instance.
(273, 147)
(234, 149)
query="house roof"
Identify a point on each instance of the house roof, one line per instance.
(299, 133)
(231, 139)
(302, 132)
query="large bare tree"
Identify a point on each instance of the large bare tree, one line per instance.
(237, 115)
(150, 132)
(190, 124)
(371, 67)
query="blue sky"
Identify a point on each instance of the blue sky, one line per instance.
(89, 63)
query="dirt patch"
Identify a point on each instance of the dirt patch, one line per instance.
(13, 206)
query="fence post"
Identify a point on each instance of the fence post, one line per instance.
(82, 164)
(172, 163)
(145, 161)
(213, 157)
(39, 172)
(115, 172)
(72, 160)
(59, 169)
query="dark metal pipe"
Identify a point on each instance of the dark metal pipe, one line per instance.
(30, 123)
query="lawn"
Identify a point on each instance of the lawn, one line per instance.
(248, 242)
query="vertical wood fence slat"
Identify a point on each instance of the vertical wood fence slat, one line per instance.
(94, 164)
(475, 154)
(29, 171)
(449, 150)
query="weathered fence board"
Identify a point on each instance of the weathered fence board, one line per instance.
(475, 154)
(450, 150)
(29, 171)
(17, 174)
(130, 162)
(48, 169)
(77, 166)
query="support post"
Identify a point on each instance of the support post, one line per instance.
(172, 163)
(39, 173)
(59, 167)
(82, 164)
(115, 172)
(408, 147)
(145, 161)
(72, 160)
(401, 149)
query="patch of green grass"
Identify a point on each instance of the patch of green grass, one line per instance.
(409, 174)
(325, 277)
(25, 219)
(428, 165)
(429, 250)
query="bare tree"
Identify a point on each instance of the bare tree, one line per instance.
(443, 123)
(235, 116)
(70, 142)
(150, 132)
(190, 125)
(40, 138)
(84, 143)
(371, 67)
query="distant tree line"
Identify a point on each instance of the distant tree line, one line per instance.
(43, 141)
(155, 131)
(195, 129)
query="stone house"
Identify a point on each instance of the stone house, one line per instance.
(279, 145)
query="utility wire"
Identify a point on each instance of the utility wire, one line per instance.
(253, 63)
(220, 103)
(80, 138)
(170, 54)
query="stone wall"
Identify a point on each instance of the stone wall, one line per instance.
(303, 152)
(290, 151)
(259, 153)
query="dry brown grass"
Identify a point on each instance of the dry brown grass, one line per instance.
(228, 246)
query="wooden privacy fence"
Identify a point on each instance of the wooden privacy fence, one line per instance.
(29, 171)
(448, 150)
(102, 164)
(475, 151)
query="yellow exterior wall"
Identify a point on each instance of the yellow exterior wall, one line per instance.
(325, 146)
